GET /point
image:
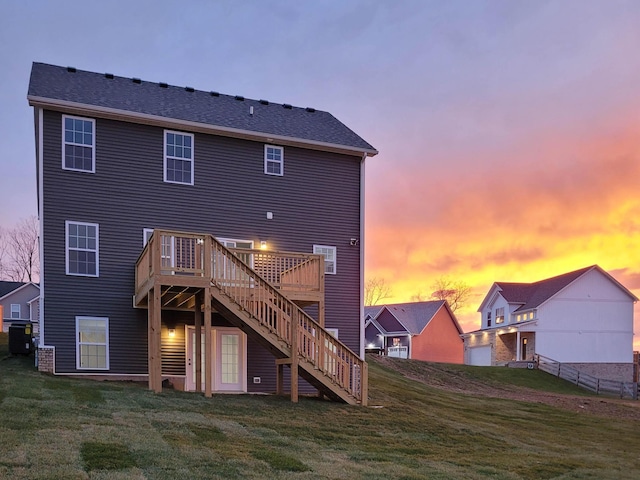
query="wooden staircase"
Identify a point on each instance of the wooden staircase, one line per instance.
(265, 311)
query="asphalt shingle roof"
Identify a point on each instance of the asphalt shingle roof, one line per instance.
(414, 316)
(8, 287)
(186, 104)
(531, 295)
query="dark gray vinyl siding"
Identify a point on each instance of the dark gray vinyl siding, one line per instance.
(316, 202)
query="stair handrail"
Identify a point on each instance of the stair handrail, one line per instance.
(315, 345)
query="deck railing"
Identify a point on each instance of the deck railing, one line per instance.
(253, 279)
(181, 253)
(285, 319)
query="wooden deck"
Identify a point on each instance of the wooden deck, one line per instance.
(259, 291)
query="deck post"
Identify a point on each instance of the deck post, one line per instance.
(294, 357)
(208, 362)
(155, 356)
(198, 342)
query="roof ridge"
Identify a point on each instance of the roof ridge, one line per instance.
(212, 93)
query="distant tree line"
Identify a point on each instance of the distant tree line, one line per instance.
(19, 251)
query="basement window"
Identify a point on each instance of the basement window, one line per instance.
(92, 343)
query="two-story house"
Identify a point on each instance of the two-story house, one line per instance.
(582, 318)
(427, 331)
(164, 213)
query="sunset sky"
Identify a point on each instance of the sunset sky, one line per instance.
(509, 132)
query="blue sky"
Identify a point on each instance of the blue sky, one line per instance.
(508, 131)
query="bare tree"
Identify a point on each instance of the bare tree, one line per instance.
(376, 290)
(3, 254)
(22, 246)
(456, 293)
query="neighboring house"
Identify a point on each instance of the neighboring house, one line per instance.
(182, 200)
(427, 331)
(19, 303)
(583, 318)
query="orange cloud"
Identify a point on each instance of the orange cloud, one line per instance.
(549, 205)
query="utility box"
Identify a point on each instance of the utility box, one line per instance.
(21, 339)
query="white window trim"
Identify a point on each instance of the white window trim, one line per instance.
(281, 162)
(145, 239)
(93, 145)
(335, 257)
(66, 249)
(106, 326)
(164, 152)
(224, 241)
(13, 310)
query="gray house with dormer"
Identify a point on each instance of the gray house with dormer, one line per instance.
(211, 241)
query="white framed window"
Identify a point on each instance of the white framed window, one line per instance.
(332, 331)
(178, 157)
(15, 311)
(499, 315)
(78, 145)
(82, 257)
(330, 263)
(234, 243)
(273, 160)
(146, 235)
(92, 343)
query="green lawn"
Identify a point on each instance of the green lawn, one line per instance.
(63, 428)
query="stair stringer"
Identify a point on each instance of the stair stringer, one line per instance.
(242, 318)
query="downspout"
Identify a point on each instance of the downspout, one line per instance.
(362, 339)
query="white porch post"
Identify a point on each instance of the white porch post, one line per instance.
(518, 346)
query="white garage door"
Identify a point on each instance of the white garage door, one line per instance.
(480, 356)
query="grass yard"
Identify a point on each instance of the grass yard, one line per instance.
(63, 428)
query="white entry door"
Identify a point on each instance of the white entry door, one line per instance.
(228, 372)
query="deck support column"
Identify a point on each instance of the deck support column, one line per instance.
(154, 348)
(294, 357)
(208, 350)
(198, 342)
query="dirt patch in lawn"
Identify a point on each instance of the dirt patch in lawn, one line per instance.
(434, 376)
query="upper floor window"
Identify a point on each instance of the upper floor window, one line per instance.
(273, 160)
(489, 318)
(499, 315)
(330, 264)
(178, 157)
(15, 310)
(78, 147)
(82, 249)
